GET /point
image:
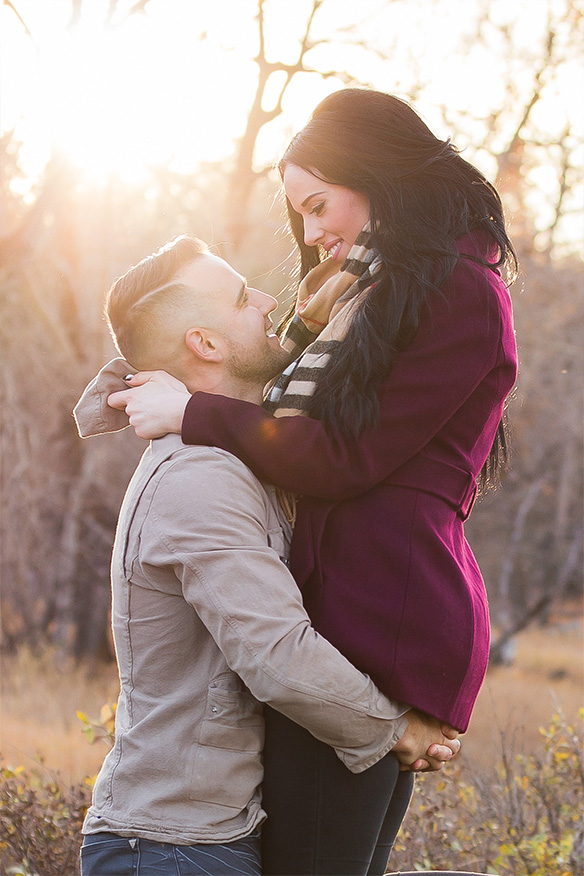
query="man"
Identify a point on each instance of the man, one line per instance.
(208, 623)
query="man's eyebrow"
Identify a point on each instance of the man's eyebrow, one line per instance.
(241, 297)
(313, 195)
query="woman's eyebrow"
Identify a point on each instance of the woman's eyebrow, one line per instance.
(313, 195)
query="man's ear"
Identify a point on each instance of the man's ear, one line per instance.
(204, 344)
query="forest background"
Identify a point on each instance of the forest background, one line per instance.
(126, 123)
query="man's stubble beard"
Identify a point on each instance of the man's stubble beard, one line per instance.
(256, 367)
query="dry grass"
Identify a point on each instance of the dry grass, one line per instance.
(39, 703)
(38, 717)
(515, 701)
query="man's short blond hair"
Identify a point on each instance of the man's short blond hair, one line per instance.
(141, 304)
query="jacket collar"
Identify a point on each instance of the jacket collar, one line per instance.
(93, 415)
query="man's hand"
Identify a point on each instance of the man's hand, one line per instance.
(427, 743)
(155, 404)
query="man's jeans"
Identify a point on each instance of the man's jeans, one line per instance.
(107, 854)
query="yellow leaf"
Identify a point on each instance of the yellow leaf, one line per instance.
(106, 713)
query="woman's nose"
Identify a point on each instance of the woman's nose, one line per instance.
(312, 230)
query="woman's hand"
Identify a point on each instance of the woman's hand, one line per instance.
(155, 404)
(427, 743)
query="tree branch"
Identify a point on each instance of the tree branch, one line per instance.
(564, 188)
(261, 35)
(542, 605)
(11, 5)
(516, 536)
(75, 14)
(305, 44)
(545, 65)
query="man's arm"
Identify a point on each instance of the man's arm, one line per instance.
(211, 514)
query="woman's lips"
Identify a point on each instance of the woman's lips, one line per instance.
(334, 250)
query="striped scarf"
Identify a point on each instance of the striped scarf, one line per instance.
(327, 302)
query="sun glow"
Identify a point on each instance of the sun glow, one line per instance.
(115, 95)
(116, 100)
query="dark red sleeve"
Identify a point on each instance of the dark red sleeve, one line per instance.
(463, 337)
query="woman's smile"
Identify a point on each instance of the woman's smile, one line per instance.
(332, 215)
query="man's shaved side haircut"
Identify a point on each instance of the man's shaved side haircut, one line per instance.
(135, 298)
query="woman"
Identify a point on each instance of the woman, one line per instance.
(402, 395)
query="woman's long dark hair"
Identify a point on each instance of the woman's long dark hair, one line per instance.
(423, 196)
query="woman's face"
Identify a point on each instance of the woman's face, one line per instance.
(333, 215)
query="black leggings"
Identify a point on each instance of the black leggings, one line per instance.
(323, 819)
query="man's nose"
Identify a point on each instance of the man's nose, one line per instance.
(264, 302)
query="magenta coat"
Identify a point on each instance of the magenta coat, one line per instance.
(379, 549)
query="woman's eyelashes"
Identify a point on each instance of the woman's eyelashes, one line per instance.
(318, 208)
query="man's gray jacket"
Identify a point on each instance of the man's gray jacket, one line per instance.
(209, 624)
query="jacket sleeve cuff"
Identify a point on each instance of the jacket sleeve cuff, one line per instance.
(357, 760)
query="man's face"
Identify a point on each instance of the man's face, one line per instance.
(240, 315)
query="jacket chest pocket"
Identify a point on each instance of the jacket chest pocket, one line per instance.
(227, 768)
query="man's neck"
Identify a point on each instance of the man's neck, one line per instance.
(232, 388)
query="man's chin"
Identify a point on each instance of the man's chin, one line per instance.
(263, 367)
(282, 359)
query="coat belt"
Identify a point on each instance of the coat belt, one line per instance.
(438, 478)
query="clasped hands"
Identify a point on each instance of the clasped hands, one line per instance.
(427, 743)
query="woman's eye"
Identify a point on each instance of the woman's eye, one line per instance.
(318, 208)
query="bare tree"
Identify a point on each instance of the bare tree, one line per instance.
(244, 176)
(60, 252)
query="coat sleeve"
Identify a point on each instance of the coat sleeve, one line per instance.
(213, 520)
(458, 343)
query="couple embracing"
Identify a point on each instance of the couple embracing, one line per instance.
(300, 624)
